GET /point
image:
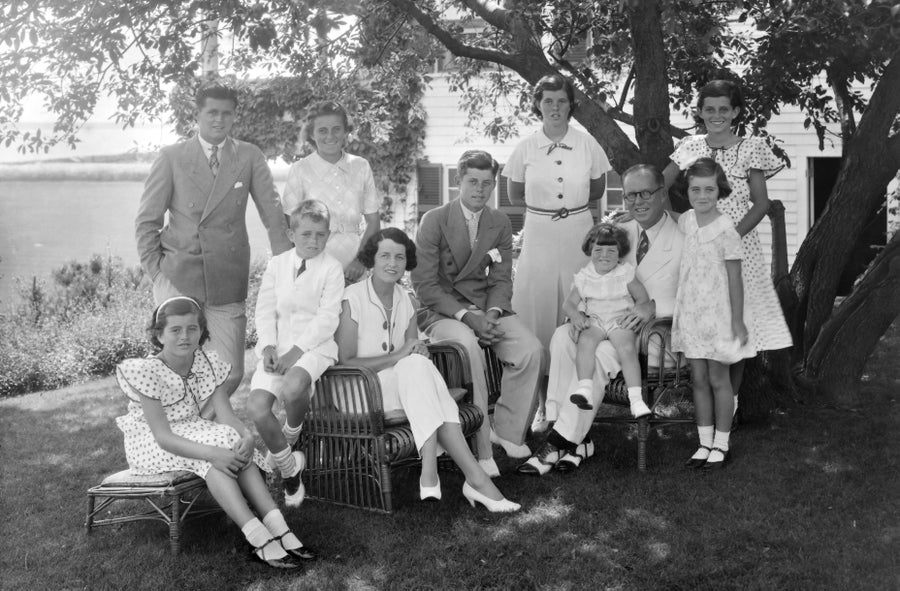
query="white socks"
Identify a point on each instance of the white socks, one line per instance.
(275, 523)
(705, 434)
(258, 535)
(720, 442)
(284, 459)
(292, 434)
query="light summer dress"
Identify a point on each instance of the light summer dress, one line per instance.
(181, 399)
(347, 187)
(606, 295)
(763, 315)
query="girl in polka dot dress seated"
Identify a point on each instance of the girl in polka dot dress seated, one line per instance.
(171, 396)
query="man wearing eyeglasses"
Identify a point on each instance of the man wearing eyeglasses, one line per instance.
(656, 247)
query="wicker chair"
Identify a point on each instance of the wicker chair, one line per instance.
(172, 497)
(352, 448)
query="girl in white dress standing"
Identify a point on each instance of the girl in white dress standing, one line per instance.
(708, 323)
(378, 330)
(747, 163)
(170, 396)
(342, 181)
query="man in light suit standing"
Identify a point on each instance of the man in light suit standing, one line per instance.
(656, 247)
(464, 283)
(202, 250)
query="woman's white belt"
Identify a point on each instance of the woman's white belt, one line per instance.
(556, 214)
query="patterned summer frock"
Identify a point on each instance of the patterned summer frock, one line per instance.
(701, 325)
(181, 399)
(763, 315)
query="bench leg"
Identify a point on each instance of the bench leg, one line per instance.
(175, 526)
(89, 520)
(643, 425)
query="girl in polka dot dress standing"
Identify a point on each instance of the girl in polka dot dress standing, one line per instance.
(747, 163)
(171, 395)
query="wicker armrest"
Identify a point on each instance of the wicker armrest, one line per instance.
(347, 400)
(452, 362)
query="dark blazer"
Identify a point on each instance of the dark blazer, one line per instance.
(451, 276)
(203, 249)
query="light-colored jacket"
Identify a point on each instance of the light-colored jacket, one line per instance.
(203, 249)
(658, 270)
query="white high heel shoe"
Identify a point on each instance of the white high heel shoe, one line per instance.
(430, 493)
(502, 506)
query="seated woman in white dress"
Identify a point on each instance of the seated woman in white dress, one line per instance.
(378, 330)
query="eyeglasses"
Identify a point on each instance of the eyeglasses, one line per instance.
(643, 195)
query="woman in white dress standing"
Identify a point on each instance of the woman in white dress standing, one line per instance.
(342, 181)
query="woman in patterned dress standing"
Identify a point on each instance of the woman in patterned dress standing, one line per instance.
(342, 181)
(747, 163)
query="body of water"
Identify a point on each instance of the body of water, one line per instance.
(44, 224)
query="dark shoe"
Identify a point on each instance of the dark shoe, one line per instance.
(286, 562)
(571, 461)
(542, 461)
(708, 466)
(696, 462)
(581, 401)
(302, 553)
(294, 491)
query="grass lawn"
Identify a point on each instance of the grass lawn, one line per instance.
(811, 501)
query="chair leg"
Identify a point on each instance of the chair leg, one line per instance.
(175, 527)
(89, 520)
(643, 432)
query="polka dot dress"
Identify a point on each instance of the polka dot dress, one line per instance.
(763, 317)
(181, 398)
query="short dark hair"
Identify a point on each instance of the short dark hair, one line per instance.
(321, 109)
(605, 234)
(552, 82)
(726, 88)
(707, 167)
(477, 159)
(366, 254)
(215, 90)
(658, 177)
(177, 306)
(313, 209)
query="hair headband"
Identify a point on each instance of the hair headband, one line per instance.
(169, 301)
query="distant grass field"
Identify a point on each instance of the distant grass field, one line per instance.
(809, 502)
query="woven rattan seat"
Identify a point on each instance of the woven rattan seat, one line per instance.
(171, 497)
(352, 451)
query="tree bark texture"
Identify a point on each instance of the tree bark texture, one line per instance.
(838, 357)
(872, 158)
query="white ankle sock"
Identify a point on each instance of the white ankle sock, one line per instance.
(258, 534)
(292, 434)
(584, 387)
(274, 521)
(721, 440)
(285, 462)
(705, 434)
(635, 394)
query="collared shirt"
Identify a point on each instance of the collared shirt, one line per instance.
(207, 147)
(654, 230)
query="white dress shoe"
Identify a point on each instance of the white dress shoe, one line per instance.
(501, 506)
(490, 467)
(513, 450)
(542, 461)
(430, 493)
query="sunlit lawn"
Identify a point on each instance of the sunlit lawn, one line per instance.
(810, 502)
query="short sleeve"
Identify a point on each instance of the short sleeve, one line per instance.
(599, 161)
(351, 296)
(294, 192)
(220, 368)
(757, 155)
(686, 151)
(578, 282)
(370, 200)
(731, 245)
(138, 377)
(627, 272)
(683, 221)
(514, 169)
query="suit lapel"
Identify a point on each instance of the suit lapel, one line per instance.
(229, 167)
(484, 240)
(457, 235)
(197, 166)
(660, 253)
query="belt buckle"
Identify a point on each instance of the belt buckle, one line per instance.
(561, 214)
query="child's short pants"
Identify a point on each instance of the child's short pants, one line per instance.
(314, 363)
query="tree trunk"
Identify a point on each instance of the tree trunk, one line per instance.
(838, 357)
(210, 48)
(872, 159)
(651, 92)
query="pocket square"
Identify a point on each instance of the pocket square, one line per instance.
(238, 185)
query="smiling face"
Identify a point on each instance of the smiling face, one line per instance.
(215, 119)
(646, 211)
(309, 237)
(390, 261)
(718, 114)
(475, 188)
(555, 107)
(605, 257)
(703, 193)
(180, 337)
(329, 133)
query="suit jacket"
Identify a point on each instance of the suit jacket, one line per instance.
(203, 249)
(658, 270)
(450, 275)
(302, 311)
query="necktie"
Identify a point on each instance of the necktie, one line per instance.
(643, 247)
(472, 223)
(302, 267)
(555, 145)
(214, 160)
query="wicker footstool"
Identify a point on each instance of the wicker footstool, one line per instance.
(172, 498)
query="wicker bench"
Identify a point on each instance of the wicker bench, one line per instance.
(667, 392)
(171, 496)
(352, 449)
